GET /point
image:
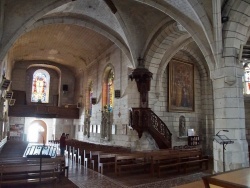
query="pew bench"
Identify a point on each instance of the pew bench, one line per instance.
(21, 174)
(105, 160)
(93, 158)
(59, 162)
(163, 161)
(193, 158)
(198, 161)
(184, 165)
(129, 161)
(183, 160)
(86, 158)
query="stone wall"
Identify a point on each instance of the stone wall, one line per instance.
(55, 127)
(121, 133)
(60, 75)
(159, 104)
(247, 116)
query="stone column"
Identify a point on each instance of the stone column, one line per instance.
(2, 118)
(229, 115)
(1, 130)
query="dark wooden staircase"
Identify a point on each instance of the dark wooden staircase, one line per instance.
(144, 119)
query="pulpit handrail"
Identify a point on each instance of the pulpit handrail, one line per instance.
(161, 122)
(144, 119)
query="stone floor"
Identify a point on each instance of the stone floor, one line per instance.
(87, 178)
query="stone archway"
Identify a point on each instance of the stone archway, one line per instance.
(37, 132)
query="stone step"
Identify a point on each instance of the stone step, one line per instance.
(13, 149)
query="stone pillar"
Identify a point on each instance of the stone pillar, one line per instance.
(1, 130)
(2, 118)
(229, 115)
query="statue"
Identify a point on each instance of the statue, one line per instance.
(182, 126)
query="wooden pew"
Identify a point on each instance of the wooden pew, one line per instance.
(164, 160)
(86, 158)
(129, 161)
(184, 159)
(91, 156)
(59, 162)
(27, 174)
(105, 159)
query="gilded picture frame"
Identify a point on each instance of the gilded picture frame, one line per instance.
(181, 86)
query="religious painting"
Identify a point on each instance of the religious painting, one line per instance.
(181, 86)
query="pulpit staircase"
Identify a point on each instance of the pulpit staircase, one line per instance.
(144, 119)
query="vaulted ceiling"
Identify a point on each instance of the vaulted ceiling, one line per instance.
(70, 45)
(78, 32)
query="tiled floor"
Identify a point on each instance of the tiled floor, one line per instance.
(87, 178)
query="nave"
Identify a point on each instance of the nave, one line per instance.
(84, 177)
(81, 176)
(88, 178)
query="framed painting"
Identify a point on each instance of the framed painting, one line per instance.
(181, 86)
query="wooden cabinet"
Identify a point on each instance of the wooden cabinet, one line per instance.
(193, 140)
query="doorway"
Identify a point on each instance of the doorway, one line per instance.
(37, 132)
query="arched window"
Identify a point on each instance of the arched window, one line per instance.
(108, 90)
(246, 79)
(40, 86)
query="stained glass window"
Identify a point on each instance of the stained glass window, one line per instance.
(110, 90)
(40, 86)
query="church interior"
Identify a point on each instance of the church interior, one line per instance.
(155, 79)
